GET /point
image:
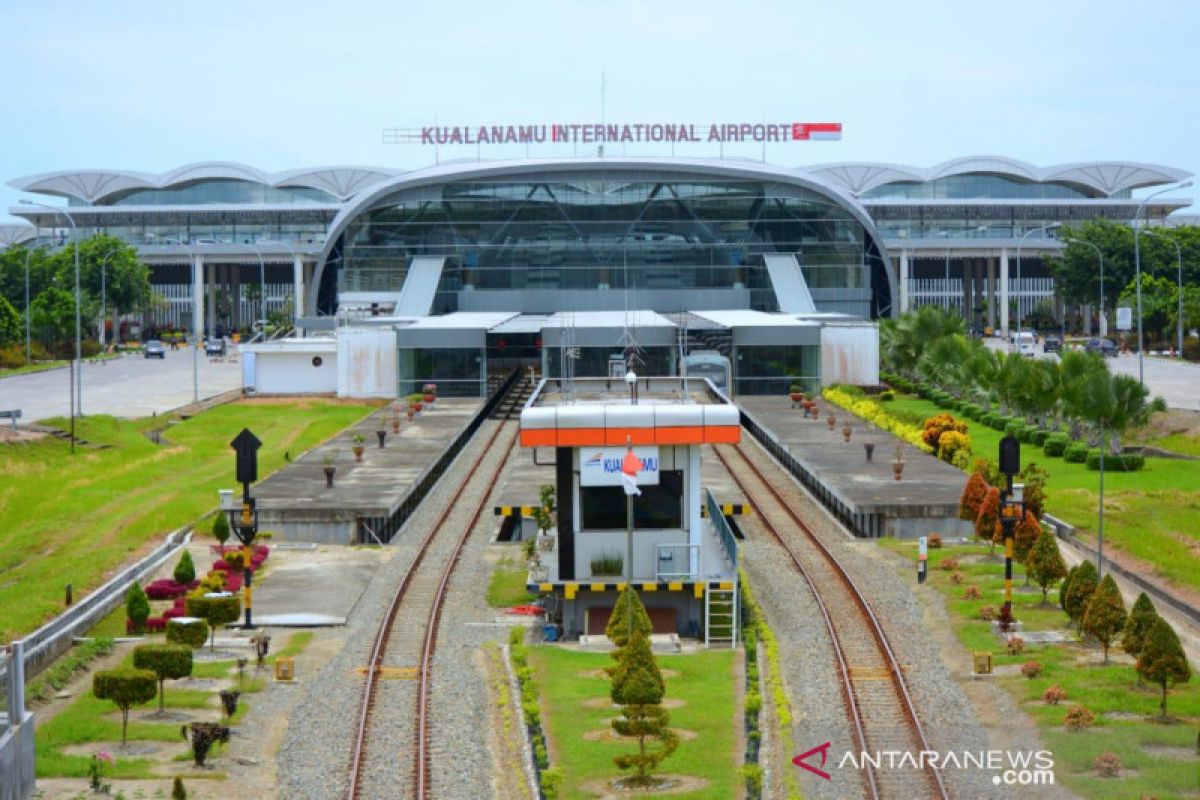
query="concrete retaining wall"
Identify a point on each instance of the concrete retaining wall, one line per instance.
(17, 761)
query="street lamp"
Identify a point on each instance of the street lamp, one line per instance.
(964, 234)
(195, 354)
(1137, 266)
(28, 253)
(1028, 233)
(76, 401)
(1100, 255)
(103, 301)
(1179, 279)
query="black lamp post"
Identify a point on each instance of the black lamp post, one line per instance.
(243, 520)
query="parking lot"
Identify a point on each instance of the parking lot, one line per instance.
(131, 386)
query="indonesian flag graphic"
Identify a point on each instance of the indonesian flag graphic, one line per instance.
(816, 131)
(631, 465)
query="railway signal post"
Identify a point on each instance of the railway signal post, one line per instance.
(244, 521)
(1012, 511)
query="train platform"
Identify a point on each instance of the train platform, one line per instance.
(297, 505)
(863, 494)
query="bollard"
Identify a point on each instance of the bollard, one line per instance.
(70, 595)
(382, 435)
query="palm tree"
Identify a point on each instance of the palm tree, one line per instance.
(1075, 368)
(903, 340)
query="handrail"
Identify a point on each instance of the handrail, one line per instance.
(728, 541)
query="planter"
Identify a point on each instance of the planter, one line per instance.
(329, 473)
(395, 425)
(382, 435)
(358, 451)
(897, 469)
(846, 430)
(429, 398)
(410, 412)
(796, 397)
(870, 448)
(831, 420)
(417, 408)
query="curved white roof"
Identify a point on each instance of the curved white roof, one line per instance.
(93, 186)
(15, 234)
(855, 178)
(1103, 177)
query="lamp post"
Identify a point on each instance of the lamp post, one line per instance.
(1179, 289)
(1028, 233)
(195, 353)
(28, 253)
(76, 385)
(1137, 266)
(103, 298)
(1099, 255)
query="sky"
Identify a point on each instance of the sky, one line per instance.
(150, 86)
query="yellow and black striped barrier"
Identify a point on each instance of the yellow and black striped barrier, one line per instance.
(513, 511)
(729, 510)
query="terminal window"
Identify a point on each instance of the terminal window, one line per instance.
(658, 507)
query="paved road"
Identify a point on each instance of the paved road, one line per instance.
(1178, 382)
(132, 386)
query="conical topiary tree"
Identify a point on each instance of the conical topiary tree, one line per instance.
(987, 524)
(1026, 533)
(137, 607)
(1105, 614)
(1066, 587)
(637, 685)
(1162, 660)
(618, 628)
(1044, 563)
(1080, 592)
(972, 497)
(220, 529)
(185, 570)
(1141, 617)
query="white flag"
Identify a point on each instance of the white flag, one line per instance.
(629, 484)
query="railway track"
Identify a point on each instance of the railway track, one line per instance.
(874, 692)
(398, 679)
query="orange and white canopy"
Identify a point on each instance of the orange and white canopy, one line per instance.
(608, 425)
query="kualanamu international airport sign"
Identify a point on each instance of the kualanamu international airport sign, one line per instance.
(618, 133)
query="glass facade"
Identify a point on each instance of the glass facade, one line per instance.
(215, 191)
(458, 372)
(773, 369)
(578, 232)
(980, 185)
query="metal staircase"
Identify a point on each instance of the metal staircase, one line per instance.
(720, 616)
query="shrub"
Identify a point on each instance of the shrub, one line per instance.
(1105, 614)
(1079, 593)
(1127, 462)
(166, 589)
(997, 422)
(216, 610)
(608, 564)
(551, 782)
(220, 529)
(1141, 617)
(177, 790)
(1078, 718)
(1031, 669)
(935, 541)
(972, 593)
(1107, 765)
(949, 564)
(126, 688)
(1076, 453)
(203, 736)
(972, 498)
(1045, 564)
(873, 413)
(189, 631)
(1015, 645)
(137, 607)
(172, 661)
(956, 577)
(1055, 445)
(954, 448)
(1027, 533)
(1014, 429)
(1039, 437)
(987, 524)
(185, 570)
(887, 395)
(939, 424)
(987, 613)
(1162, 660)
(1054, 695)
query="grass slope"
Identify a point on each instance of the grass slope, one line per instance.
(73, 519)
(1110, 689)
(1150, 514)
(705, 682)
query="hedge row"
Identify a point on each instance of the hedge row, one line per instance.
(1127, 462)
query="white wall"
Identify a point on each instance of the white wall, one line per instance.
(850, 354)
(294, 373)
(366, 362)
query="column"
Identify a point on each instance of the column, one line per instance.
(989, 293)
(695, 500)
(235, 296)
(967, 288)
(904, 269)
(298, 288)
(198, 297)
(1004, 292)
(212, 299)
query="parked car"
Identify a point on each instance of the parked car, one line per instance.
(1103, 346)
(214, 347)
(154, 349)
(1053, 344)
(1025, 343)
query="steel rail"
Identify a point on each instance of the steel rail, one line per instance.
(379, 648)
(876, 629)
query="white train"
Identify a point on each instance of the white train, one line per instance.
(712, 365)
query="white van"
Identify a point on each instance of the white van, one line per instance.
(1025, 343)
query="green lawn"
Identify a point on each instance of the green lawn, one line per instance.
(1110, 689)
(705, 683)
(506, 587)
(74, 519)
(1150, 514)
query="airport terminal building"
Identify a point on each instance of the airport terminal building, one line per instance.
(441, 273)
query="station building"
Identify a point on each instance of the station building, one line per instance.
(445, 273)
